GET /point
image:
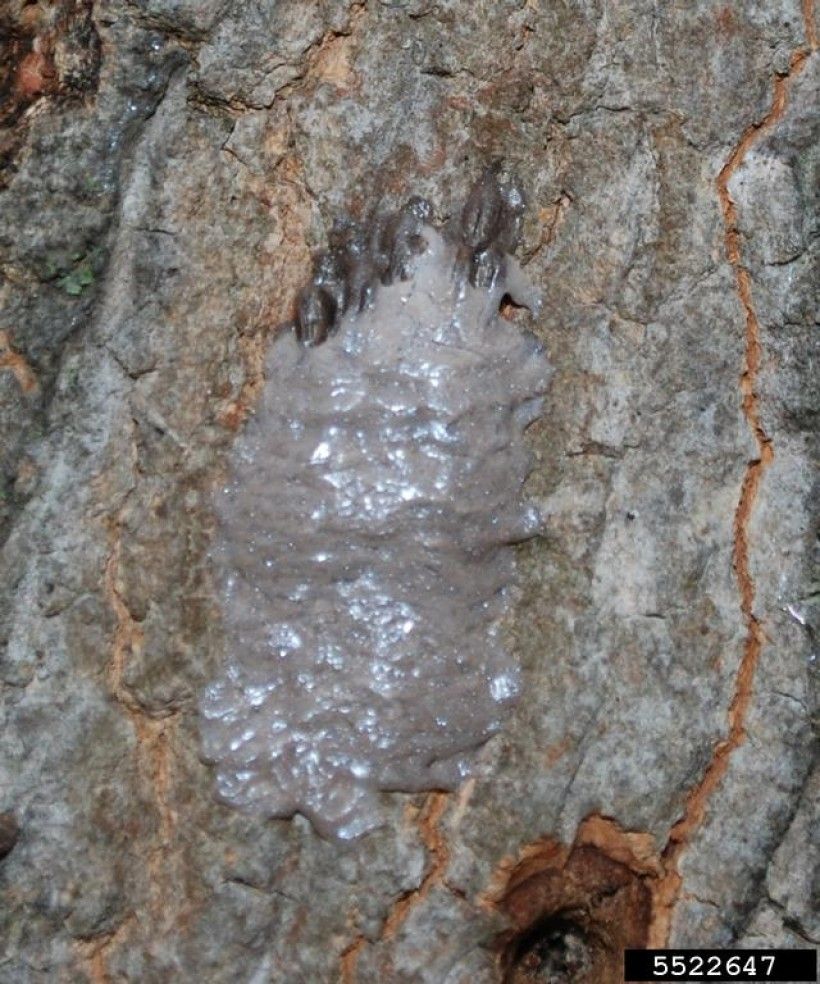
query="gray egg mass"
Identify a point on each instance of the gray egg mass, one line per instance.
(363, 546)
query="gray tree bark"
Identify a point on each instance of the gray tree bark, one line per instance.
(168, 167)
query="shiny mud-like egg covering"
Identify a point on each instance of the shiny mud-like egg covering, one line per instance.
(364, 539)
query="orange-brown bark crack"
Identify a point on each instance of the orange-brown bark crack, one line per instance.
(94, 951)
(17, 365)
(128, 633)
(551, 218)
(667, 889)
(436, 843)
(348, 960)
(152, 734)
(153, 760)
(429, 825)
(808, 20)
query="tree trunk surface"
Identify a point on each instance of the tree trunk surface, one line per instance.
(168, 168)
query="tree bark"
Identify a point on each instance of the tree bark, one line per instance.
(168, 168)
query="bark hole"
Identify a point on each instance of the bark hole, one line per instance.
(573, 912)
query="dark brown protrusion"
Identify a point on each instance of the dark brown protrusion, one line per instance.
(9, 832)
(349, 244)
(346, 276)
(316, 316)
(330, 277)
(408, 240)
(491, 222)
(482, 212)
(400, 239)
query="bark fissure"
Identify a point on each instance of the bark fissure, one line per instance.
(17, 365)
(429, 826)
(152, 737)
(667, 890)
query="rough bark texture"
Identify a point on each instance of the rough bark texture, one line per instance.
(167, 168)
